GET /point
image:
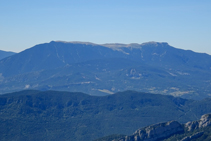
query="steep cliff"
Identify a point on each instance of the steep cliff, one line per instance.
(203, 122)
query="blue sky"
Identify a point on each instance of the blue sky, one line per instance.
(183, 24)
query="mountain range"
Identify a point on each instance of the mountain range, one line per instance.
(118, 80)
(108, 68)
(53, 115)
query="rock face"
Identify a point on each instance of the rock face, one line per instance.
(164, 130)
(155, 132)
(203, 122)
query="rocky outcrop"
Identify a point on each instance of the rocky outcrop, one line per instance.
(164, 130)
(155, 132)
(203, 122)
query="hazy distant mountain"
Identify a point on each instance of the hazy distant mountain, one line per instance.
(109, 68)
(164, 55)
(58, 54)
(53, 55)
(51, 115)
(4, 54)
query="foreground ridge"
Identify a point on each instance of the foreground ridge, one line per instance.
(169, 130)
(156, 132)
(55, 115)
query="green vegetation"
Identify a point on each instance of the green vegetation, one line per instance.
(110, 138)
(51, 115)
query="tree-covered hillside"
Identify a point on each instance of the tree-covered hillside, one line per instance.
(52, 115)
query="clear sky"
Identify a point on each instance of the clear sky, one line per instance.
(183, 24)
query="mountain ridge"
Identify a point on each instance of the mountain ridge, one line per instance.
(154, 67)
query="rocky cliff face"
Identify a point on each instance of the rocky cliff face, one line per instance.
(164, 130)
(203, 122)
(155, 132)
